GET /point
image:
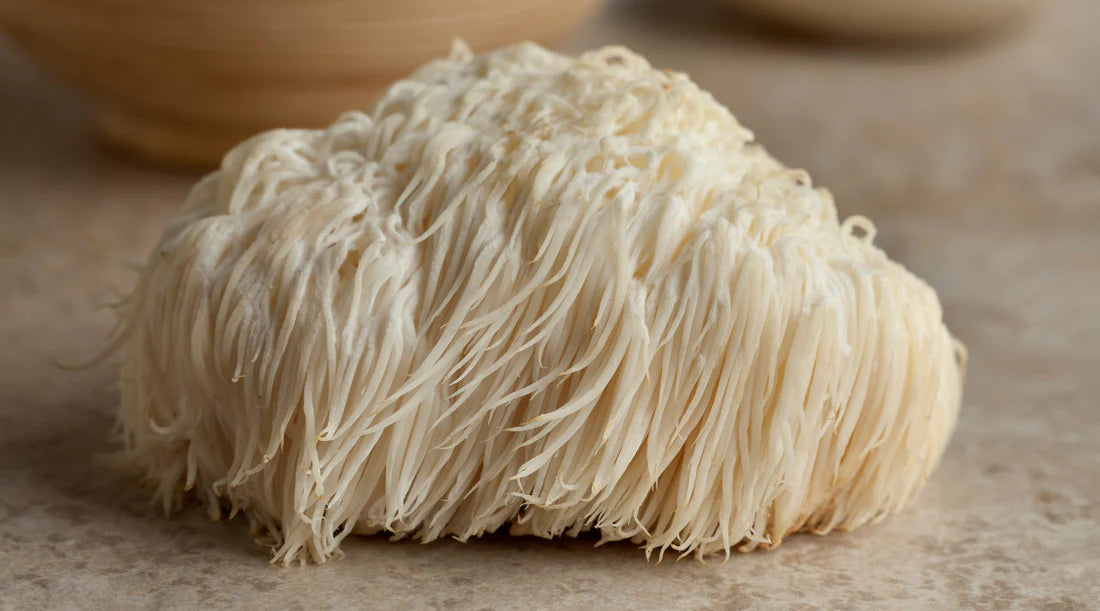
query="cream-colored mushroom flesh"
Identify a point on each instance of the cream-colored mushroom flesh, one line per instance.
(527, 290)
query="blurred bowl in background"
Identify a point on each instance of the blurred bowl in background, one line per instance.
(182, 81)
(889, 20)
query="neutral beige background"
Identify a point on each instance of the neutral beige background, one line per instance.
(980, 164)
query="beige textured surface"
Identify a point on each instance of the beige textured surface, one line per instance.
(981, 166)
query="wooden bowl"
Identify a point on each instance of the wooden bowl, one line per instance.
(889, 20)
(182, 81)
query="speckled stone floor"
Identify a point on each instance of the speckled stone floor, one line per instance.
(981, 166)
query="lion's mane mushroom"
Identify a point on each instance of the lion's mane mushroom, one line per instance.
(559, 294)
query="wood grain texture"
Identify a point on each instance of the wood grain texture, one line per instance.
(182, 81)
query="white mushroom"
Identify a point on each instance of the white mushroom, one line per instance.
(560, 294)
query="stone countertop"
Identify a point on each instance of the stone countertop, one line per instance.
(979, 163)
